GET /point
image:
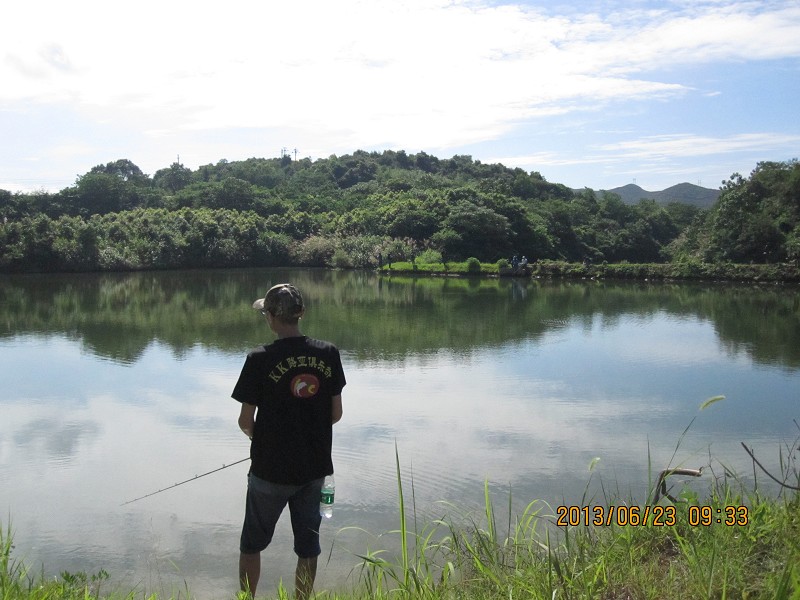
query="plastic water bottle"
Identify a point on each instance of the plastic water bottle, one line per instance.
(326, 498)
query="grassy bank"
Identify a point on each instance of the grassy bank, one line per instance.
(688, 270)
(680, 550)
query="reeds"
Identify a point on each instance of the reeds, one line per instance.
(729, 541)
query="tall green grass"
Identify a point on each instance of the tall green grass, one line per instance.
(531, 557)
(18, 583)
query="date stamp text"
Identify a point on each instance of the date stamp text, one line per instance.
(655, 516)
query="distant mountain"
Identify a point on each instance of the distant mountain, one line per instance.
(686, 193)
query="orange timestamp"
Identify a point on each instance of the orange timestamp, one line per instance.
(656, 516)
(731, 516)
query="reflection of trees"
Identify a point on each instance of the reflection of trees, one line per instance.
(375, 318)
(119, 315)
(764, 325)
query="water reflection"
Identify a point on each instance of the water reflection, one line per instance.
(117, 316)
(117, 385)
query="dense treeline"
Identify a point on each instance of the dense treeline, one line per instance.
(347, 211)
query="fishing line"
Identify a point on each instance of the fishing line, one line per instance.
(182, 482)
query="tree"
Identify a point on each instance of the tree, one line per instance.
(410, 218)
(174, 178)
(235, 194)
(350, 170)
(75, 244)
(426, 162)
(682, 214)
(793, 246)
(261, 172)
(528, 230)
(10, 206)
(125, 170)
(99, 193)
(472, 230)
(753, 218)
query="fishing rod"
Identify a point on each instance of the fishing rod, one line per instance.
(182, 482)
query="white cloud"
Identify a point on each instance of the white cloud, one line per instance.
(356, 74)
(660, 153)
(251, 64)
(693, 145)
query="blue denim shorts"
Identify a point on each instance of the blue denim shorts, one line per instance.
(265, 503)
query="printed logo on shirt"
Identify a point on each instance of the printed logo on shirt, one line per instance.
(305, 385)
(293, 362)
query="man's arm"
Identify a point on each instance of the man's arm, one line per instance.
(336, 408)
(247, 419)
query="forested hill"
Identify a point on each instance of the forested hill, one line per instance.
(345, 211)
(686, 193)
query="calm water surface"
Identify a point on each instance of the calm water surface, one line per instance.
(114, 386)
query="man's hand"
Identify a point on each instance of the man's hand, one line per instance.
(336, 408)
(247, 419)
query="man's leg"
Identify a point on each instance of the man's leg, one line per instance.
(265, 502)
(304, 510)
(249, 572)
(304, 577)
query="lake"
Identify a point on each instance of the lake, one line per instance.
(117, 385)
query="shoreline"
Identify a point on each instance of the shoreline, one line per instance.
(546, 269)
(782, 273)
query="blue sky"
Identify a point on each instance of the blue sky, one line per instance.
(590, 94)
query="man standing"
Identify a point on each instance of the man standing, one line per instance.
(291, 395)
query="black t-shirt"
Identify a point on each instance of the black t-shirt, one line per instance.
(291, 381)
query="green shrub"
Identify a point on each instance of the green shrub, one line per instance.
(429, 256)
(473, 265)
(340, 259)
(314, 251)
